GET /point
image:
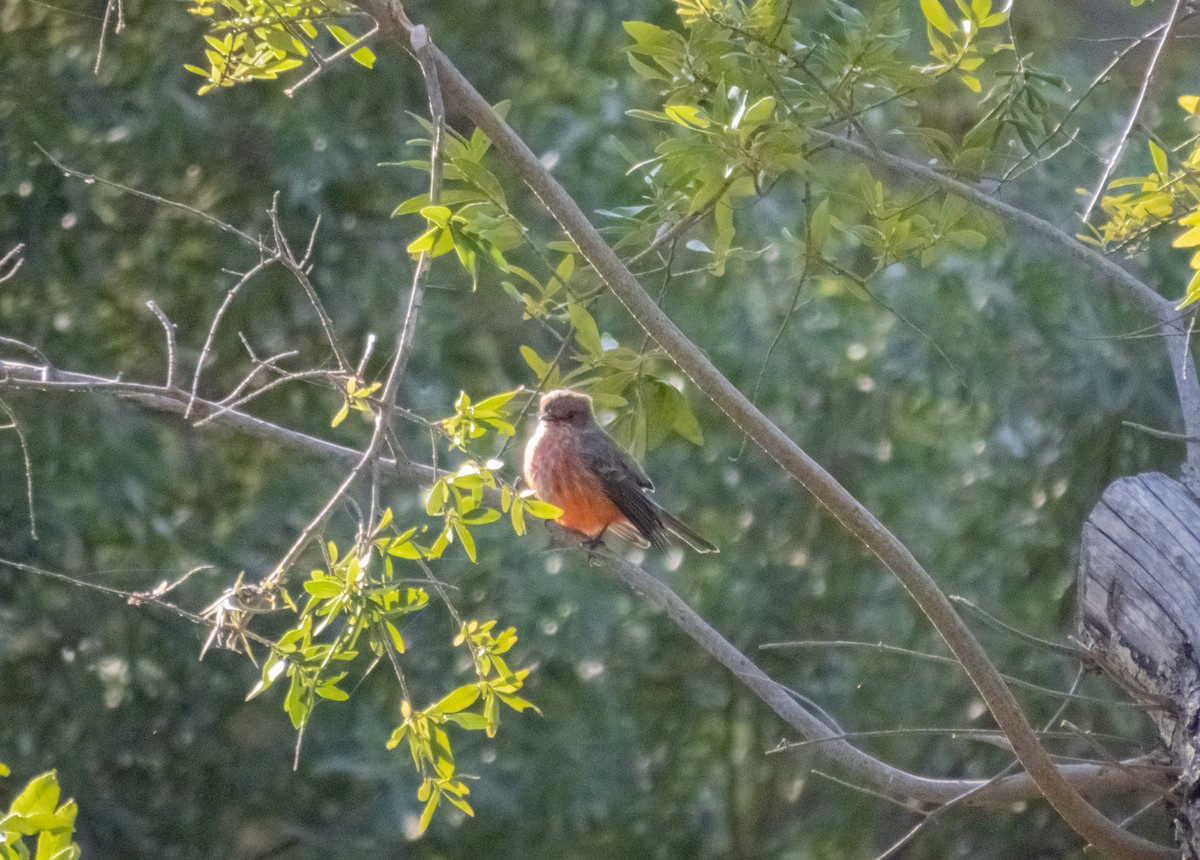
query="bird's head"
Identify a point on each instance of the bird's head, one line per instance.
(565, 407)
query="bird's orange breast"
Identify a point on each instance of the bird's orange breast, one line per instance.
(556, 472)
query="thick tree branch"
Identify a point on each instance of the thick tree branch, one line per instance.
(1085, 819)
(1098, 779)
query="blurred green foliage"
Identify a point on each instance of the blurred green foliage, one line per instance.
(965, 386)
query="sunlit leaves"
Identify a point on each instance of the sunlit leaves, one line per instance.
(358, 602)
(472, 707)
(358, 399)
(473, 420)
(261, 39)
(1136, 205)
(954, 44)
(472, 217)
(36, 816)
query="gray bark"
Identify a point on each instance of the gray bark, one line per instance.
(1139, 614)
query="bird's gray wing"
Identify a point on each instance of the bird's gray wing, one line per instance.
(624, 483)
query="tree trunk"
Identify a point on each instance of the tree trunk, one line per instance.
(1139, 614)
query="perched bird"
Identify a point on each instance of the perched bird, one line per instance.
(574, 465)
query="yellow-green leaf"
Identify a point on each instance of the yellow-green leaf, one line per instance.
(1160, 158)
(936, 15)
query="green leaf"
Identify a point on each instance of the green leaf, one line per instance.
(364, 57)
(486, 516)
(465, 537)
(648, 35)
(459, 700)
(39, 795)
(439, 494)
(460, 803)
(468, 721)
(397, 736)
(517, 515)
(586, 332)
(427, 815)
(1160, 159)
(972, 239)
(517, 703)
(688, 116)
(294, 704)
(323, 588)
(820, 225)
(330, 691)
(686, 424)
(397, 639)
(759, 112)
(936, 15)
(535, 362)
(1192, 293)
(542, 510)
(493, 403)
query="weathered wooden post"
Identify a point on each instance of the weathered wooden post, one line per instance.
(1139, 614)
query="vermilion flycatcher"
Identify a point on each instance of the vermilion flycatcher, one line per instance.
(574, 465)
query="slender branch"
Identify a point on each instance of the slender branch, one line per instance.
(300, 269)
(1147, 76)
(419, 41)
(169, 329)
(212, 329)
(117, 28)
(424, 51)
(362, 41)
(89, 179)
(13, 260)
(15, 426)
(894, 555)
(1097, 779)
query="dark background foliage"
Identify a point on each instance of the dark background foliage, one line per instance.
(985, 460)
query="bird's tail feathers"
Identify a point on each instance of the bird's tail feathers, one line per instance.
(685, 532)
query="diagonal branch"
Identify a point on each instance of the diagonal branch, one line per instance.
(1147, 76)
(1085, 819)
(1095, 779)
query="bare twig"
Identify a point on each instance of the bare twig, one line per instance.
(90, 179)
(120, 25)
(28, 348)
(1147, 77)
(212, 329)
(405, 336)
(362, 41)
(169, 329)
(164, 587)
(885, 648)
(15, 426)
(423, 49)
(1073, 651)
(232, 401)
(1161, 434)
(300, 269)
(13, 259)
